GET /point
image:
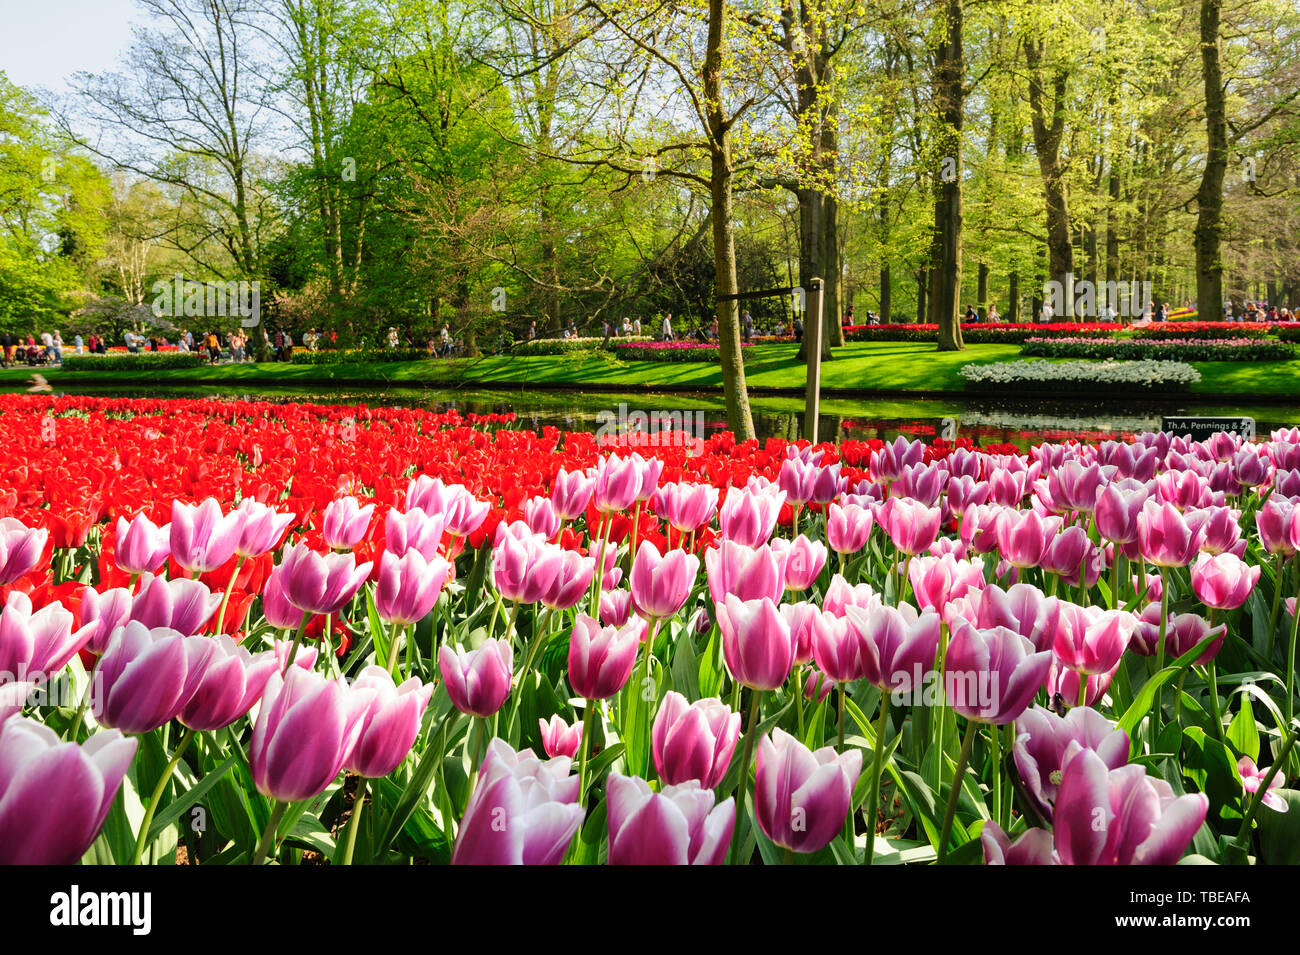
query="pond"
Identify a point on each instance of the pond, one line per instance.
(983, 419)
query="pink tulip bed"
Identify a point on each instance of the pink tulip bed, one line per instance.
(247, 634)
(668, 351)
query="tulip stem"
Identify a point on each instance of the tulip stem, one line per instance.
(81, 707)
(995, 745)
(873, 800)
(539, 637)
(225, 598)
(1083, 689)
(751, 723)
(297, 640)
(939, 664)
(1114, 578)
(1153, 732)
(142, 840)
(636, 526)
(967, 744)
(354, 823)
(1290, 666)
(1212, 679)
(394, 635)
(268, 835)
(905, 583)
(1279, 570)
(840, 714)
(605, 521)
(585, 748)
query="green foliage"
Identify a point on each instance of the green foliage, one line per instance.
(132, 361)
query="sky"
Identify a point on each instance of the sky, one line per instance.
(42, 42)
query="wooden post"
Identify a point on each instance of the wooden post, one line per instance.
(813, 336)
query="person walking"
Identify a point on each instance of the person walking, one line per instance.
(747, 324)
(636, 326)
(444, 341)
(668, 327)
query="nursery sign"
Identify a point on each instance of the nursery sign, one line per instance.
(1202, 428)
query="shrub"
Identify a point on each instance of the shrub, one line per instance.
(1080, 376)
(125, 361)
(1175, 349)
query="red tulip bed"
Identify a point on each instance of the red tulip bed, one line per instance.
(243, 633)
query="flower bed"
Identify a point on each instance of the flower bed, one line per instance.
(1204, 330)
(978, 333)
(669, 351)
(1176, 349)
(342, 356)
(380, 635)
(125, 360)
(567, 346)
(1081, 376)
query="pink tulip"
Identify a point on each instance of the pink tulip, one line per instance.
(559, 738)
(816, 686)
(848, 528)
(1075, 485)
(601, 659)
(1223, 532)
(391, 722)
(836, 650)
(840, 595)
(321, 584)
(979, 527)
(36, 646)
(478, 681)
(181, 604)
(55, 796)
(572, 579)
(522, 811)
(463, 513)
(1046, 742)
(1022, 608)
(694, 741)
(993, 673)
(911, 525)
(1274, 521)
(615, 607)
(1064, 682)
(345, 523)
(13, 697)
(1252, 777)
(413, 530)
(687, 507)
(520, 569)
(202, 538)
(1007, 488)
(260, 528)
(801, 560)
(571, 492)
(802, 797)
(887, 463)
(1121, 816)
(661, 583)
(797, 480)
(749, 516)
(20, 549)
(146, 677)
(1223, 581)
(937, 580)
(306, 728)
(805, 620)
(1166, 538)
(1024, 536)
(898, 645)
(965, 491)
(409, 586)
(747, 572)
(756, 642)
(618, 482)
(230, 681)
(1092, 640)
(1117, 508)
(678, 826)
(140, 546)
(276, 608)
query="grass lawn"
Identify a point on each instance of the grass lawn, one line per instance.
(861, 367)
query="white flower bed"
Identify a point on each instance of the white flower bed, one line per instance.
(1083, 374)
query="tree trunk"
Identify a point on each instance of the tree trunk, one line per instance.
(1013, 297)
(1209, 197)
(950, 95)
(734, 390)
(1048, 134)
(922, 287)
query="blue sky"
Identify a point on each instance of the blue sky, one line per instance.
(44, 41)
